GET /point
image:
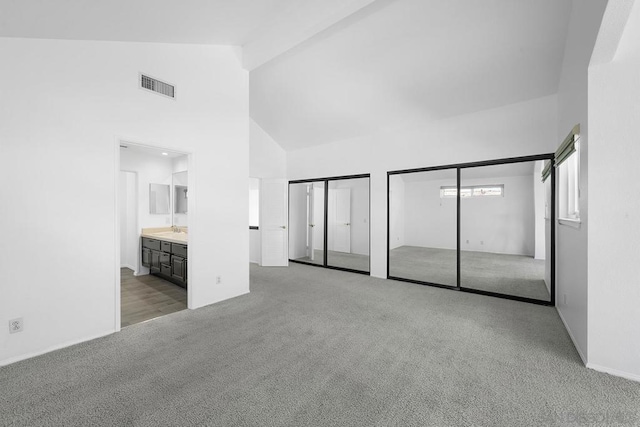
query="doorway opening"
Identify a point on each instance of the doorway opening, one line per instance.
(153, 201)
(329, 222)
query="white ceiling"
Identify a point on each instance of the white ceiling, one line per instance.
(229, 22)
(325, 70)
(409, 62)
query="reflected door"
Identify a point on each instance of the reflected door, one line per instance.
(310, 223)
(340, 219)
(348, 224)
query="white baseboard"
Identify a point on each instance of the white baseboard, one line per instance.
(575, 343)
(595, 367)
(15, 359)
(130, 267)
(615, 372)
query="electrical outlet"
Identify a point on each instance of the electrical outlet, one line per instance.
(564, 299)
(482, 242)
(218, 280)
(16, 325)
(467, 241)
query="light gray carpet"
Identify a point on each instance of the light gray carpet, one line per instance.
(506, 274)
(424, 264)
(318, 347)
(340, 259)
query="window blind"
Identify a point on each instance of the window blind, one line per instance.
(546, 171)
(568, 146)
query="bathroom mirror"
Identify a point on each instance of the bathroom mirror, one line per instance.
(180, 198)
(159, 198)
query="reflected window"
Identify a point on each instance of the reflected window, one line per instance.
(475, 191)
(569, 181)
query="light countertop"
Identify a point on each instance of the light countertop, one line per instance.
(167, 234)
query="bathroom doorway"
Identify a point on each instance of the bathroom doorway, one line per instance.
(152, 278)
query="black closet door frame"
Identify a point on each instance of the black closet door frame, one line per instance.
(326, 220)
(458, 167)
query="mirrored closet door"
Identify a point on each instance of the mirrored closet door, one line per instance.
(503, 230)
(422, 221)
(485, 227)
(329, 222)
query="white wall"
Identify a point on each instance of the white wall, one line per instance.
(491, 224)
(514, 130)
(538, 207)
(122, 193)
(151, 170)
(571, 243)
(614, 206)
(254, 246)
(62, 113)
(318, 215)
(499, 224)
(129, 232)
(396, 211)
(429, 221)
(180, 164)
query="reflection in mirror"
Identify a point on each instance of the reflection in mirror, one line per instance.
(180, 198)
(422, 227)
(306, 222)
(158, 199)
(348, 224)
(254, 202)
(503, 231)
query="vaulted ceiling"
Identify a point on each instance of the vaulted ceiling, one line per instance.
(325, 70)
(186, 21)
(407, 62)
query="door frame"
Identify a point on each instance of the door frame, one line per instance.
(119, 140)
(458, 167)
(326, 217)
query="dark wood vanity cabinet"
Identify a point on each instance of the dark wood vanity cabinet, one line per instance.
(155, 262)
(179, 268)
(165, 259)
(146, 257)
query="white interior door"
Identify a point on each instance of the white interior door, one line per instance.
(342, 220)
(273, 223)
(310, 222)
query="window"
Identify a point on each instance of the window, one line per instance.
(254, 203)
(569, 185)
(472, 191)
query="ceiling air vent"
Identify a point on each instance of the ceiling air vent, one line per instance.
(157, 86)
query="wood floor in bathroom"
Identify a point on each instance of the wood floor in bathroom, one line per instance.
(148, 297)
